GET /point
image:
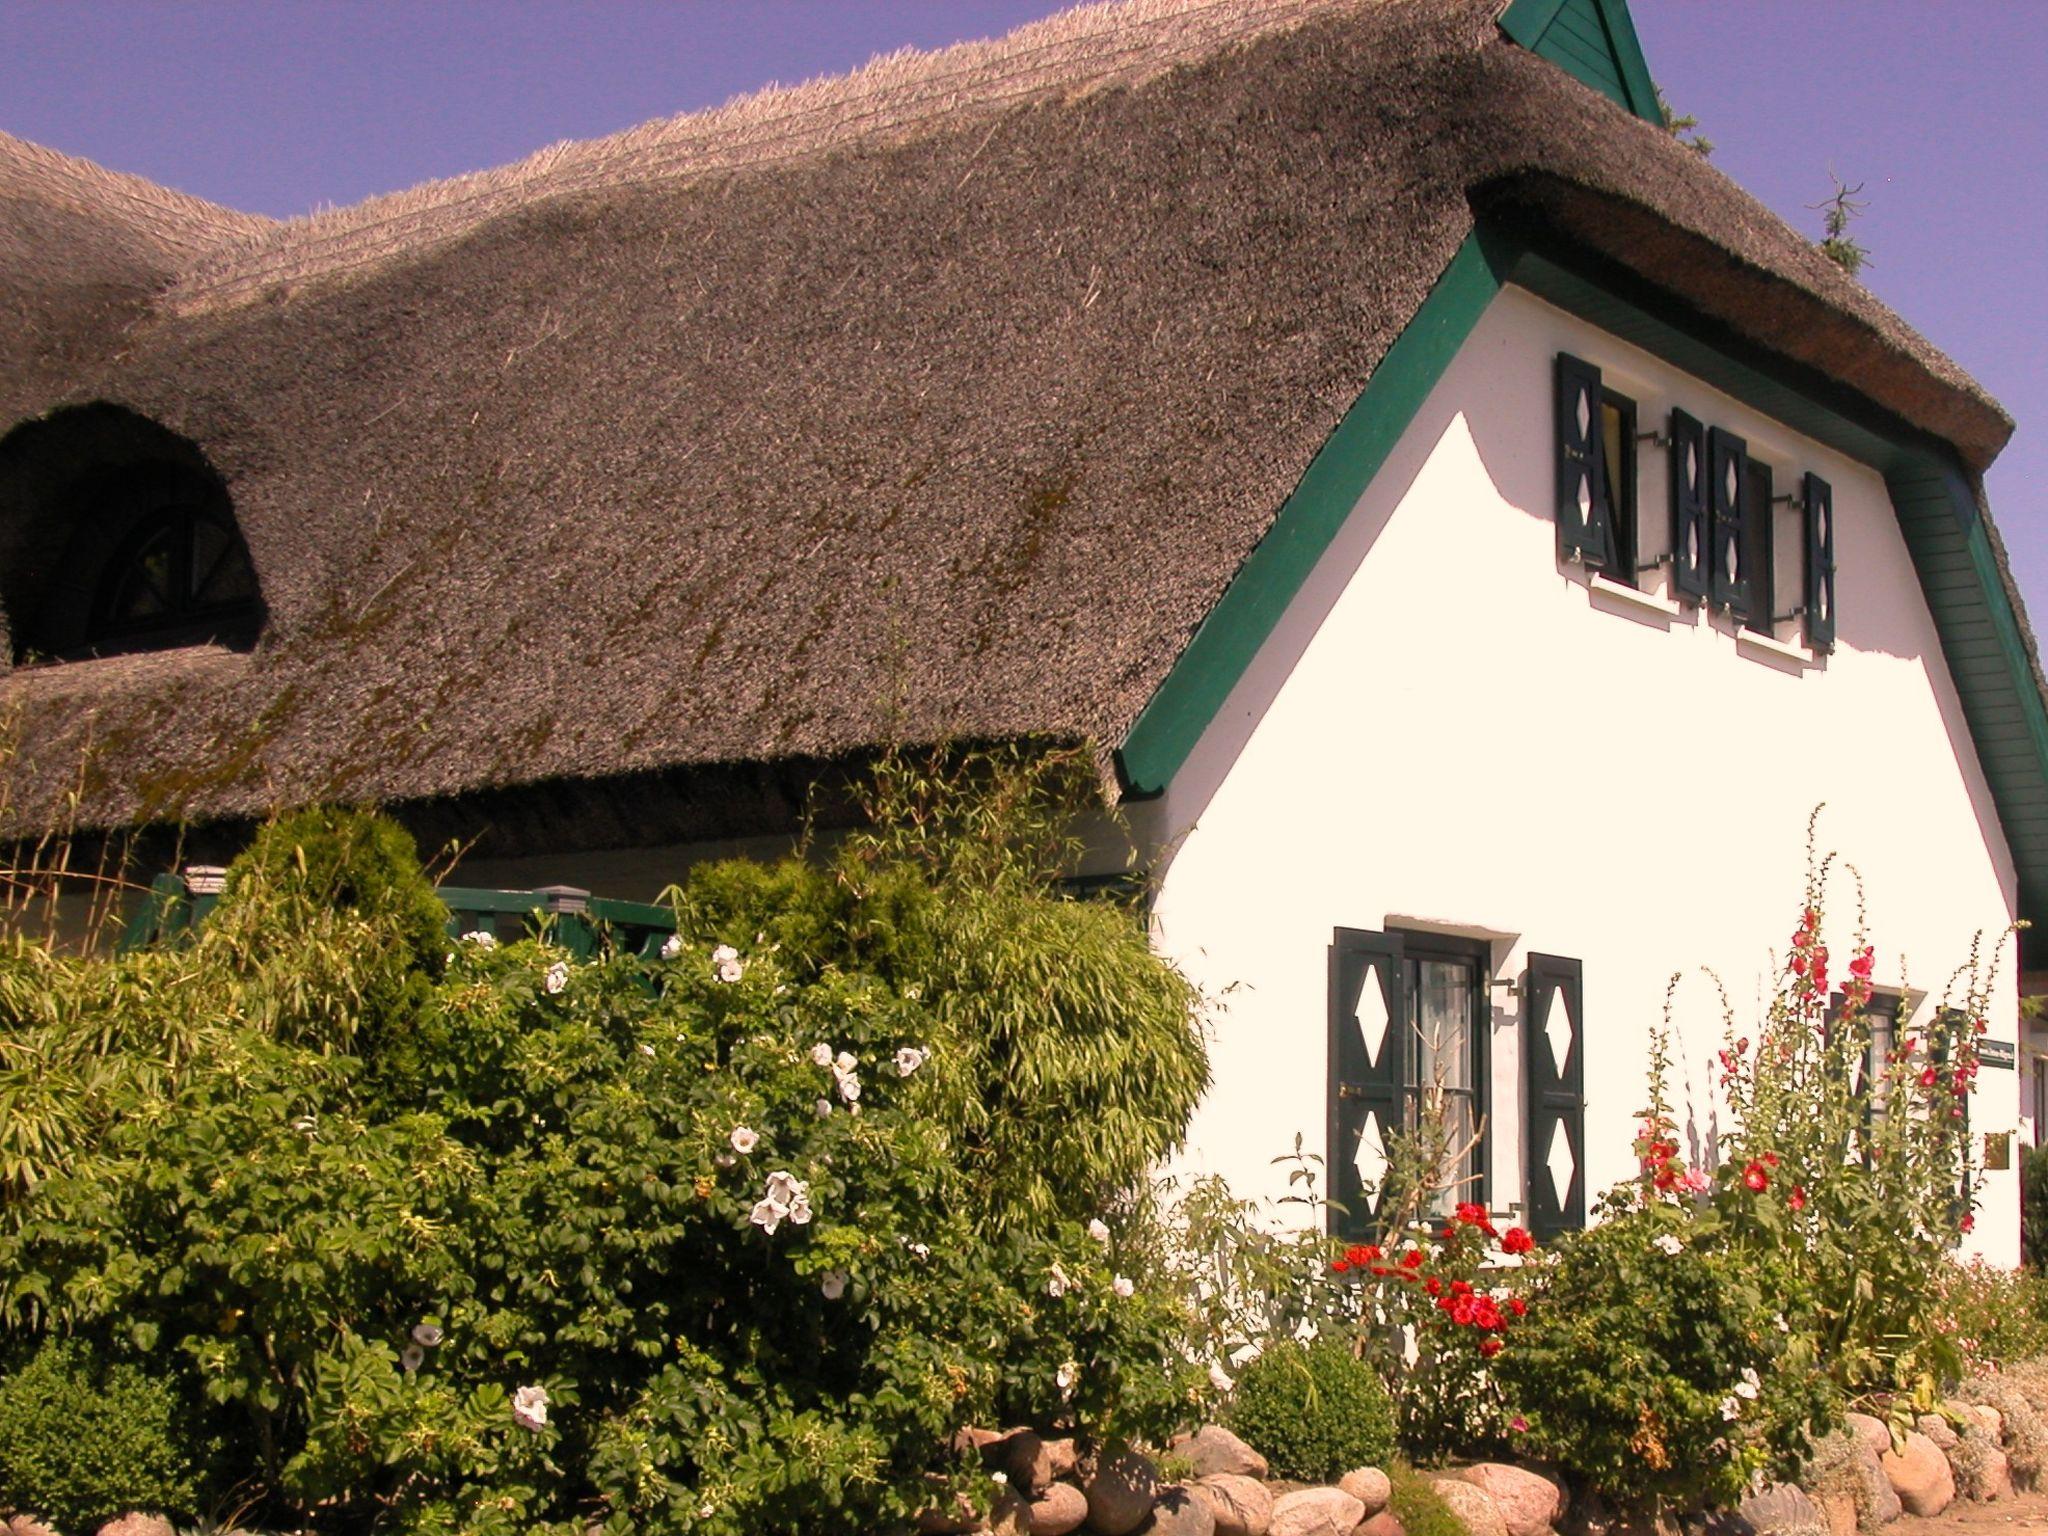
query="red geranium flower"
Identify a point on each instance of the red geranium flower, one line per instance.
(1518, 1306)
(1517, 1241)
(1338, 1266)
(1755, 1177)
(1434, 1286)
(1489, 1347)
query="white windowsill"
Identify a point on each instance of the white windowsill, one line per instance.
(1621, 592)
(1771, 646)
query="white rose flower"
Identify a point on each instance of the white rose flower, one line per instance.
(823, 1107)
(920, 1250)
(1056, 1286)
(426, 1335)
(846, 1061)
(821, 1053)
(833, 1284)
(768, 1214)
(849, 1087)
(744, 1139)
(1730, 1408)
(530, 1408)
(908, 1060)
(1750, 1385)
(800, 1211)
(481, 939)
(646, 1050)
(1669, 1243)
(557, 977)
(729, 970)
(411, 1358)
(1220, 1379)
(1099, 1230)
(1066, 1376)
(785, 1188)
(1122, 1286)
(999, 1477)
(671, 946)
(723, 953)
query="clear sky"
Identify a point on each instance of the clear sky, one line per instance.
(281, 106)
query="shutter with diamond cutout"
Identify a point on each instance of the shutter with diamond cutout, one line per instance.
(1689, 576)
(1820, 563)
(1727, 498)
(1553, 1064)
(1369, 1046)
(1584, 523)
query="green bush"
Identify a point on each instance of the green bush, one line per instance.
(1314, 1411)
(327, 929)
(501, 1242)
(2034, 1208)
(1992, 1316)
(82, 1439)
(1654, 1364)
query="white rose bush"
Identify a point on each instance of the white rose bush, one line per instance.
(702, 1235)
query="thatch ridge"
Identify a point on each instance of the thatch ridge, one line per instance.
(1088, 47)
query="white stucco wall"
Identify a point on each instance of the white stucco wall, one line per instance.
(1449, 729)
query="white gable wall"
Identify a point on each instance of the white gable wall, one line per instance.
(1450, 730)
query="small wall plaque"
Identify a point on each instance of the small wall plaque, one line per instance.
(1998, 1053)
(1997, 1150)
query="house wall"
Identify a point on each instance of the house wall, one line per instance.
(1452, 730)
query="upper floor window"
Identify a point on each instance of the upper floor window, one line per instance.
(117, 536)
(1737, 543)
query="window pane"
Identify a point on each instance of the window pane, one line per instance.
(1444, 1007)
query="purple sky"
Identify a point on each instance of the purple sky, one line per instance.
(280, 106)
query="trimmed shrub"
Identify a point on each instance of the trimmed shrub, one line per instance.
(82, 1439)
(1652, 1363)
(1314, 1411)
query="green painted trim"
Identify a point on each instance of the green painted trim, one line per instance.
(1223, 647)
(1950, 544)
(1530, 23)
(1629, 59)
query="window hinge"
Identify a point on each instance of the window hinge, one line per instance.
(1786, 618)
(1655, 439)
(1790, 499)
(1652, 565)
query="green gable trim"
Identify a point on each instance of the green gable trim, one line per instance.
(1592, 40)
(1223, 647)
(1979, 631)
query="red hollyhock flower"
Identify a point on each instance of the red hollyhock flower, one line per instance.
(1969, 1223)
(1860, 967)
(1412, 1259)
(1755, 1177)
(1929, 1078)
(1517, 1241)
(1799, 965)
(1797, 1199)
(1489, 1347)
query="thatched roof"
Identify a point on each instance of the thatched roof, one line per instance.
(943, 399)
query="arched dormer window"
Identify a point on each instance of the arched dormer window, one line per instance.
(181, 576)
(117, 536)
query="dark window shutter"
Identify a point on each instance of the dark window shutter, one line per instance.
(1369, 1045)
(1727, 497)
(1760, 555)
(1690, 548)
(1553, 1066)
(1820, 564)
(1584, 523)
